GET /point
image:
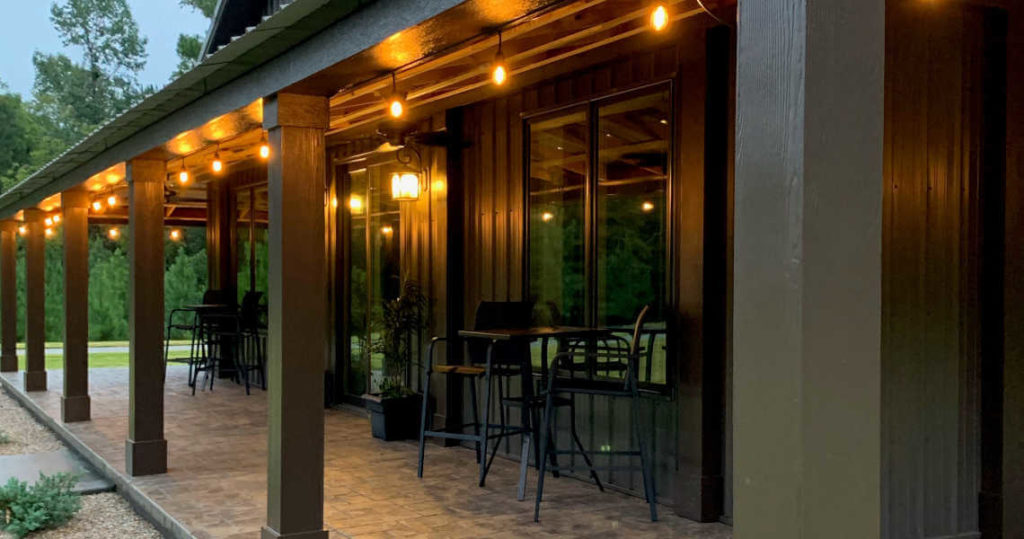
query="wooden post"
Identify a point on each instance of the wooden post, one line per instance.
(297, 330)
(35, 315)
(8, 296)
(75, 400)
(146, 448)
(807, 273)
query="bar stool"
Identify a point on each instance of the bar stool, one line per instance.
(607, 360)
(186, 322)
(491, 362)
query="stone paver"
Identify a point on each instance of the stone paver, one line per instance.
(28, 467)
(216, 480)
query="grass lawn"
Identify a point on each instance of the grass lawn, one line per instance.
(96, 359)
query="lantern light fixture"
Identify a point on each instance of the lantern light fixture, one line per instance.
(405, 185)
(217, 164)
(659, 18)
(499, 69)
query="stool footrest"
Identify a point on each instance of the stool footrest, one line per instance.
(467, 370)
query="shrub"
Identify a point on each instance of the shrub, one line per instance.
(5, 438)
(46, 504)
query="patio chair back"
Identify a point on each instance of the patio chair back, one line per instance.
(251, 312)
(499, 315)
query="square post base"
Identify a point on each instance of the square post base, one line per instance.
(75, 408)
(147, 457)
(35, 380)
(9, 363)
(269, 533)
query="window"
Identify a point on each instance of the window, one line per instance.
(599, 217)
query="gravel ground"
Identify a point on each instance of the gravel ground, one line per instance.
(102, 515)
(25, 433)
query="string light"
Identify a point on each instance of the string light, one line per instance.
(264, 148)
(217, 164)
(183, 177)
(499, 71)
(647, 206)
(396, 106)
(114, 233)
(22, 230)
(547, 216)
(175, 234)
(112, 201)
(387, 230)
(48, 232)
(659, 18)
(48, 221)
(56, 218)
(97, 205)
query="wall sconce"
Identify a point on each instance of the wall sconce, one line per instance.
(407, 183)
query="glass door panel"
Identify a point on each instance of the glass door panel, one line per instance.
(632, 219)
(359, 342)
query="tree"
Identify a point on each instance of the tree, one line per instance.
(190, 46)
(74, 99)
(15, 138)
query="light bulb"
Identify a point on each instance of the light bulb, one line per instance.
(56, 218)
(547, 216)
(48, 221)
(500, 73)
(22, 230)
(112, 200)
(97, 205)
(114, 233)
(659, 18)
(355, 203)
(264, 150)
(183, 177)
(48, 232)
(217, 164)
(647, 206)
(175, 234)
(397, 107)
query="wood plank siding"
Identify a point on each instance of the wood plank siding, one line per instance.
(938, 108)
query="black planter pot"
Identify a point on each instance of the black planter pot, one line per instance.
(395, 418)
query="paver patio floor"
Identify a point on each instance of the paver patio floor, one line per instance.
(216, 481)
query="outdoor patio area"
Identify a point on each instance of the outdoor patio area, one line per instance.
(216, 479)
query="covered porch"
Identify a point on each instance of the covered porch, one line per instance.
(216, 480)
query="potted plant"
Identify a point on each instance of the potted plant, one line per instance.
(394, 409)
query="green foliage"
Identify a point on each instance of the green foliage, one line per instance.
(46, 504)
(5, 438)
(400, 321)
(190, 46)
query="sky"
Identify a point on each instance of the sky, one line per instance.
(28, 29)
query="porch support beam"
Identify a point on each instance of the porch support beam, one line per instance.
(297, 316)
(807, 281)
(74, 402)
(35, 298)
(8, 296)
(146, 448)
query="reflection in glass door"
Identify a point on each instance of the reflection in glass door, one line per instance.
(374, 269)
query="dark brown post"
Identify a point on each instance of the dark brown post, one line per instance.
(8, 296)
(146, 448)
(298, 283)
(75, 401)
(808, 269)
(35, 316)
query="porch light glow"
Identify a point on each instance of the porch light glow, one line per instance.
(112, 201)
(48, 232)
(217, 164)
(547, 216)
(405, 186)
(22, 230)
(183, 177)
(264, 150)
(97, 205)
(499, 71)
(355, 203)
(175, 234)
(114, 233)
(397, 107)
(647, 206)
(659, 18)
(56, 218)
(48, 221)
